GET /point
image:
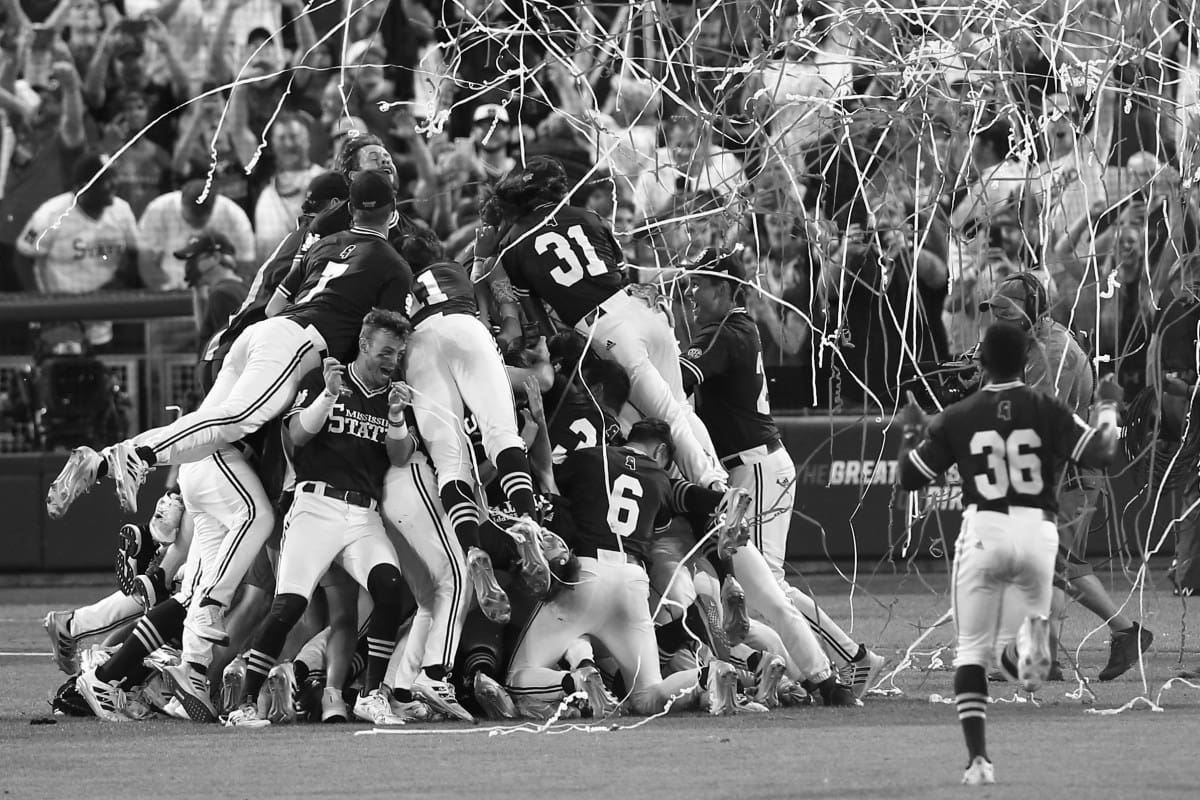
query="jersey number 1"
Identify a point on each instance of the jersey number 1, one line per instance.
(567, 249)
(1010, 463)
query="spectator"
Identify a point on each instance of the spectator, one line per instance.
(143, 170)
(217, 290)
(689, 163)
(172, 219)
(234, 144)
(491, 132)
(279, 202)
(79, 245)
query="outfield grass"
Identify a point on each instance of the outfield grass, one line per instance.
(896, 747)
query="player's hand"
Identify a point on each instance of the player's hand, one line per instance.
(533, 391)
(1109, 391)
(399, 398)
(334, 372)
(912, 419)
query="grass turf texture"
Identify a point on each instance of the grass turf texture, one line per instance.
(896, 747)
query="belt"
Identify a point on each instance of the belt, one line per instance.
(609, 556)
(1002, 507)
(739, 459)
(351, 498)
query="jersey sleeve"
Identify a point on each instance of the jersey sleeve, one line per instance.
(930, 459)
(311, 386)
(701, 362)
(292, 282)
(689, 498)
(1069, 434)
(39, 223)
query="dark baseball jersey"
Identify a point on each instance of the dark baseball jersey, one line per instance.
(569, 260)
(443, 288)
(724, 368)
(575, 421)
(342, 278)
(350, 451)
(1009, 442)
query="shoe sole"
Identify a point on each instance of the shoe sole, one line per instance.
(127, 491)
(716, 631)
(126, 573)
(62, 492)
(65, 658)
(1035, 665)
(280, 709)
(197, 710)
(494, 706)
(599, 701)
(493, 602)
(534, 567)
(232, 687)
(737, 619)
(767, 691)
(431, 698)
(726, 687)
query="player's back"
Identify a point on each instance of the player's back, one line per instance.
(442, 288)
(568, 258)
(339, 280)
(616, 496)
(1009, 441)
(576, 421)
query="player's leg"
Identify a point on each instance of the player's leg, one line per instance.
(1023, 632)
(342, 595)
(70, 630)
(534, 680)
(481, 667)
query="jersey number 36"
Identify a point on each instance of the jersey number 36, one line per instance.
(1011, 463)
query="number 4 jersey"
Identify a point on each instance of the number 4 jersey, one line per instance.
(1009, 441)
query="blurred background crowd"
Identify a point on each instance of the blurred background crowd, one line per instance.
(880, 164)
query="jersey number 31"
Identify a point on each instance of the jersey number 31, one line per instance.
(568, 249)
(1011, 463)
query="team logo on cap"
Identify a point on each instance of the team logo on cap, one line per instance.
(694, 352)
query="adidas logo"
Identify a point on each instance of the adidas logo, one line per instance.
(609, 344)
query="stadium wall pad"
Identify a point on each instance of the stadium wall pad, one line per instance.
(845, 468)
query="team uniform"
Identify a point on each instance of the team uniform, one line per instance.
(577, 421)
(571, 261)
(1010, 443)
(617, 498)
(723, 368)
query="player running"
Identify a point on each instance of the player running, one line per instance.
(346, 428)
(1010, 443)
(329, 293)
(566, 257)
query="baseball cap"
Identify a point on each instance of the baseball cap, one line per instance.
(206, 242)
(347, 126)
(488, 111)
(325, 187)
(371, 191)
(714, 261)
(192, 191)
(1010, 292)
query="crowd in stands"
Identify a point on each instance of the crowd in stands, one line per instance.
(882, 165)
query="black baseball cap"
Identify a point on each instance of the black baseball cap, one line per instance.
(371, 191)
(193, 189)
(206, 242)
(323, 188)
(715, 261)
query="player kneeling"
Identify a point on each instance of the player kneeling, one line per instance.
(1009, 442)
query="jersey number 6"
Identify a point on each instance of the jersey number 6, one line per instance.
(623, 508)
(1010, 463)
(567, 249)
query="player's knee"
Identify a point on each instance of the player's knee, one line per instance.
(385, 586)
(287, 609)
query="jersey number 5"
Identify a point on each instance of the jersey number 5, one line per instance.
(1010, 463)
(623, 508)
(568, 249)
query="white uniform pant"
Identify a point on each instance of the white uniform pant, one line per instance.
(105, 616)
(320, 531)
(611, 604)
(257, 382)
(452, 361)
(438, 581)
(770, 478)
(1003, 572)
(640, 341)
(231, 521)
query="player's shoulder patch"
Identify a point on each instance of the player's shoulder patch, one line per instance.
(694, 352)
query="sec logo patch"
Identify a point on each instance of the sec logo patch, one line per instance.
(694, 352)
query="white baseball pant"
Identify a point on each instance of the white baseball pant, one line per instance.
(257, 382)
(105, 616)
(638, 339)
(770, 478)
(452, 361)
(232, 519)
(438, 579)
(611, 605)
(1003, 572)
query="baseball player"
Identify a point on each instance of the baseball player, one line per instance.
(567, 257)
(617, 496)
(1009, 442)
(316, 310)
(452, 366)
(723, 368)
(346, 429)
(1057, 365)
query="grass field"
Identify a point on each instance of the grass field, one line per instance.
(900, 746)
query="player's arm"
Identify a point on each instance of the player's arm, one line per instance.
(507, 306)
(690, 498)
(318, 392)
(923, 454)
(1078, 441)
(400, 442)
(541, 457)
(539, 369)
(285, 292)
(703, 361)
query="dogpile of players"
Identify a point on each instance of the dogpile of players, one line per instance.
(421, 488)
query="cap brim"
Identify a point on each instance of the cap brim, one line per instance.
(999, 299)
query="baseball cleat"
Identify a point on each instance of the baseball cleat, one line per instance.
(105, 699)
(492, 698)
(192, 690)
(66, 649)
(128, 472)
(733, 610)
(862, 675)
(599, 699)
(745, 705)
(333, 706)
(76, 478)
(721, 688)
(175, 710)
(281, 693)
(727, 522)
(412, 711)
(246, 716)
(980, 773)
(168, 515)
(207, 622)
(493, 602)
(151, 588)
(155, 693)
(233, 684)
(440, 696)
(554, 548)
(1125, 649)
(129, 544)
(711, 615)
(534, 568)
(767, 678)
(1033, 652)
(837, 695)
(374, 707)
